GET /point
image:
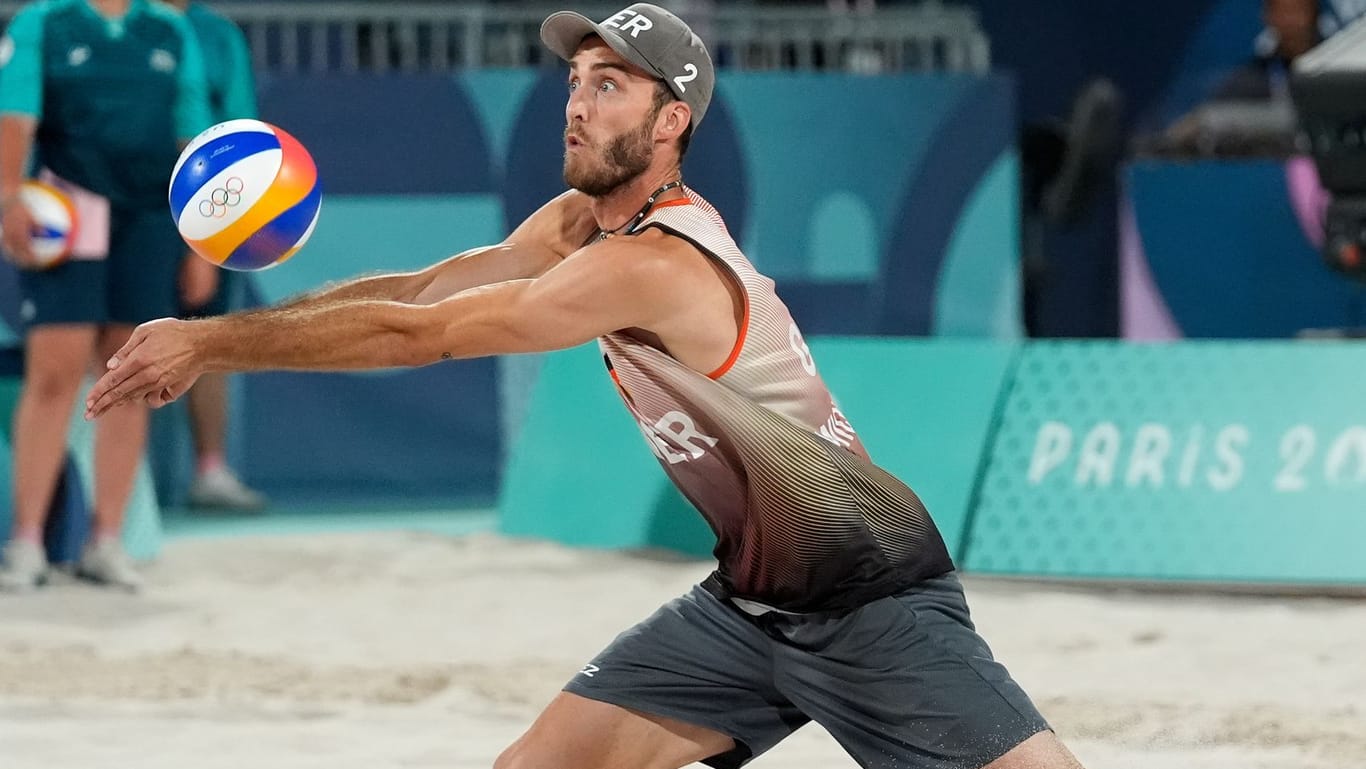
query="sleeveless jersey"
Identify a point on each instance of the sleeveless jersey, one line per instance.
(804, 521)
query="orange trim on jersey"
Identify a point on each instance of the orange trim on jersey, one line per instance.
(621, 390)
(739, 343)
(667, 203)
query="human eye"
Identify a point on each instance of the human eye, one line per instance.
(573, 84)
(607, 85)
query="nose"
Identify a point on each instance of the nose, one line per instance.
(576, 108)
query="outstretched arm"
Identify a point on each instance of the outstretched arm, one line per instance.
(555, 230)
(600, 289)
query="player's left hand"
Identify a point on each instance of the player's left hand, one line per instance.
(157, 365)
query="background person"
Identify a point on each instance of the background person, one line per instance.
(99, 94)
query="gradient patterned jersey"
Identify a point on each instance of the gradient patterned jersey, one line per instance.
(804, 521)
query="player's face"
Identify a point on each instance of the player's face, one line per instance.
(610, 120)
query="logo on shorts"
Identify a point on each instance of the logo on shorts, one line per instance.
(162, 61)
(589, 670)
(216, 205)
(6, 50)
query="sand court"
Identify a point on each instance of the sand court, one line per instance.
(424, 650)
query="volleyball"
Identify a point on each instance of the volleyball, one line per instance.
(54, 222)
(245, 195)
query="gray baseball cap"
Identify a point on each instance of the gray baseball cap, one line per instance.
(650, 38)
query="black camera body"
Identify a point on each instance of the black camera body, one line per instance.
(1328, 85)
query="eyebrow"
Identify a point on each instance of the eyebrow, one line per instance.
(601, 65)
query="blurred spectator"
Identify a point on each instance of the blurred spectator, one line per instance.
(98, 92)
(1291, 29)
(1337, 14)
(231, 94)
(1066, 166)
(1250, 113)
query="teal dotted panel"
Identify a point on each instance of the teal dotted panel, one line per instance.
(1236, 461)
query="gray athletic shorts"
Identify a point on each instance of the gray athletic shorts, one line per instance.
(901, 682)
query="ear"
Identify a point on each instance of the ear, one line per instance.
(673, 120)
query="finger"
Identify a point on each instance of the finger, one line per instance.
(169, 392)
(20, 251)
(114, 399)
(139, 384)
(100, 406)
(131, 384)
(105, 387)
(26, 253)
(162, 396)
(102, 403)
(111, 403)
(126, 351)
(20, 246)
(173, 391)
(173, 394)
(97, 395)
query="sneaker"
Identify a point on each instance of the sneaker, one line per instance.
(25, 566)
(106, 562)
(220, 488)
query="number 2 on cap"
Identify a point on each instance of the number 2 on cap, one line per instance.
(691, 69)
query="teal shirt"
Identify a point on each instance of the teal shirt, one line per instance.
(227, 64)
(113, 99)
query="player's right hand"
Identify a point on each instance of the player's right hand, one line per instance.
(155, 366)
(15, 226)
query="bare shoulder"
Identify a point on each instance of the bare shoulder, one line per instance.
(650, 249)
(676, 254)
(562, 224)
(654, 262)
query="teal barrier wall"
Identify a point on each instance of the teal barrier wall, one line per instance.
(924, 409)
(580, 473)
(1203, 461)
(1208, 461)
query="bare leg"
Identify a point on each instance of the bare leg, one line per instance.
(120, 438)
(578, 733)
(55, 360)
(1042, 751)
(215, 484)
(208, 404)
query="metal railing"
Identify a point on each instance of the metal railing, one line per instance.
(408, 36)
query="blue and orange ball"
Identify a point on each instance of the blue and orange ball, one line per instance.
(245, 195)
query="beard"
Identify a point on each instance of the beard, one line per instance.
(624, 158)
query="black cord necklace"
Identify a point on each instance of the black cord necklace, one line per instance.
(640, 216)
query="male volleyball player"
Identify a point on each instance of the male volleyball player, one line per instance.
(834, 599)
